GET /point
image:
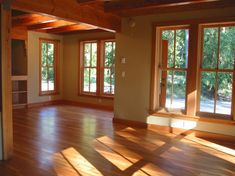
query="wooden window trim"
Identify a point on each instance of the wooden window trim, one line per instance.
(82, 67)
(55, 66)
(194, 53)
(100, 69)
(162, 68)
(216, 70)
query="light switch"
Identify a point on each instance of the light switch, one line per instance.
(123, 74)
(123, 60)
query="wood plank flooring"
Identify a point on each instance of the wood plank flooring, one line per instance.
(74, 141)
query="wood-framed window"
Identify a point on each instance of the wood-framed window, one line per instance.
(174, 64)
(97, 67)
(217, 70)
(208, 66)
(48, 67)
(108, 67)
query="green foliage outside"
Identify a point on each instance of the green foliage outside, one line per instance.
(226, 54)
(178, 86)
(90, 64)
(90, 60)
(109, 74)
(47, 62)
(210, 56)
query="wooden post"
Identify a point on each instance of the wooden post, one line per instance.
(192, 71)
(7, 126)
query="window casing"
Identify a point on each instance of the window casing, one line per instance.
(97, 68)
(217, 69)
(174, 58)
(48, 71)
(197, 71)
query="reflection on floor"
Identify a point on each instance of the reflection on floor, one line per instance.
(72, 141)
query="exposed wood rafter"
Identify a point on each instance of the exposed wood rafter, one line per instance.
(50, 25)
(143, 7)
(70, 28)
(71, 10)
(30, 19)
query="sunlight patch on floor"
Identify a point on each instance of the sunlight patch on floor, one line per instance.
(211, 145)
(113, 157)
(152, 169)
(71, 162)
(141, 142)
(120, 149)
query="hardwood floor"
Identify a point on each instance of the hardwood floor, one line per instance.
(74, 141)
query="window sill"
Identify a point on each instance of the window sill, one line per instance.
(96, 96)
(48, 93)
(193, 118)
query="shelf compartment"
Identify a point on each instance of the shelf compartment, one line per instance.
(19, 86)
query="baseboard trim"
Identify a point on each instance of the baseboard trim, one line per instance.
(130, 123)
(89, 105)
(177, 131)
(44, 103)
(68, 102)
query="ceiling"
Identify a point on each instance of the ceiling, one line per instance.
(47, 24)
(96, 15)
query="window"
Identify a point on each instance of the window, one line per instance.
(174, 67)
(217, 69)
(97, 67)
(193, 70)
(109, 67)
(48, 66)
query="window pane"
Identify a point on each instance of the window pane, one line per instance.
(181, 52)
(112, 81)
(179, 87)
(93, 80)
(51, 79)
(107, 81)
(50, 54)
(87, 54)
(224, 93)
(210, 48)
(169, 89)
(44, 54)
(94, 55)
(227, 47)
(176, 86)
(86, 80)
(109, 54)
(207, 91)
(169, 35)
(44, 76)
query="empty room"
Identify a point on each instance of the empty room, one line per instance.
(117, 88)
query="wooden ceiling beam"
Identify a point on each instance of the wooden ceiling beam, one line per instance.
(172, 7)
(71, 10)
(88, 1)
(49, 25)
(70, 28)
(120, 5)
(30, 19)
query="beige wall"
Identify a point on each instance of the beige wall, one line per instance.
(133, 91)
(33, 67)
(70, 69)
